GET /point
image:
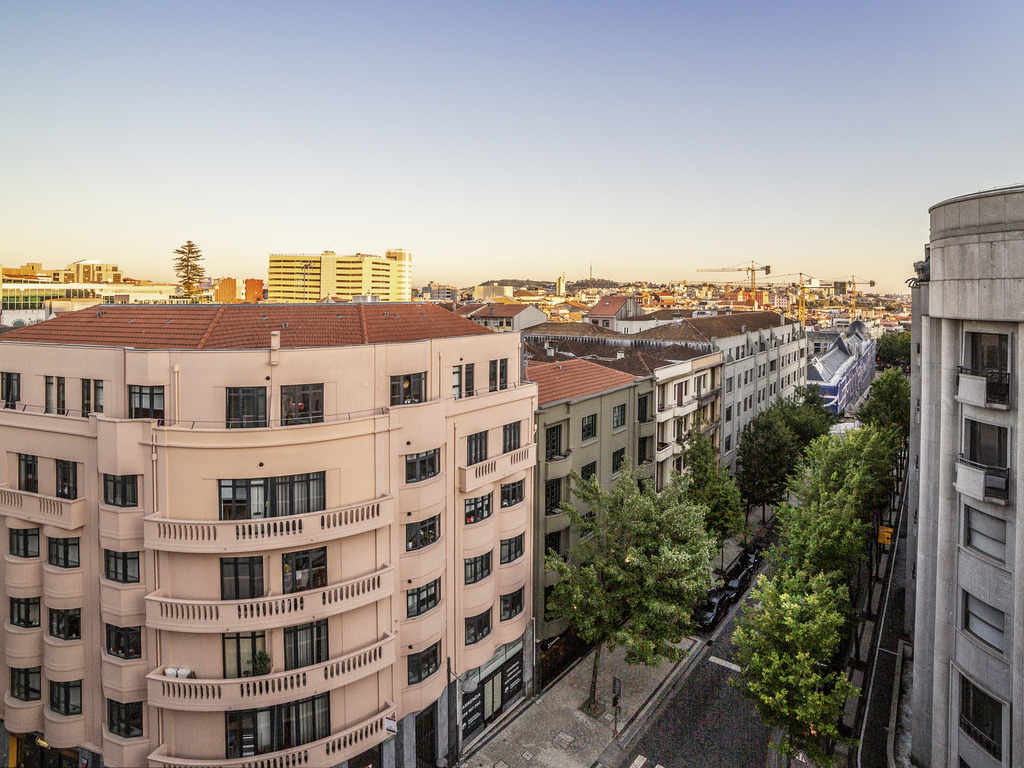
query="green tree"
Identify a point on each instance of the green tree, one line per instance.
(786, 646)
(888, 403)
(893, 350)
(642, 563)
(187, 267)
(767, 453)
(806, 415)
(710, 486)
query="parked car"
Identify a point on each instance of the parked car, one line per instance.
(751, 556)
(737, 580)
(707, 615)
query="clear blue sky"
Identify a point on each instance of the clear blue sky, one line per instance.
(503, 139)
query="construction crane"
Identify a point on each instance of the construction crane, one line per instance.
(752, 271)
(853, 291)
(803, 285)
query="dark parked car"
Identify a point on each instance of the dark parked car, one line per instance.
(707, 615)
(737, 580)
(751, 557)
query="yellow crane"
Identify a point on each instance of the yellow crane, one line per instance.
(752, 271)
(853, 291)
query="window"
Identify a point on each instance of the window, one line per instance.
(589, 471)
(643, 408)
(512, 493)
(421, 599)
(251, 732)
(478, 508)
(728, 384)
(24, 542)
(121, 490)
(421, 466)
(511, 605)
(67, 479)
(618, 457)
(552, 496)
(241, 578)
(246, 407)
(510, 437)
(66, 624)
(272, 496)
(25, 612)
(469, 390)
(121, 566)
(146, 403)
(498, 378)
(643, 449)
(619, 416)
(304, 570)
(984, 533)
(728, 413)
(588, 427)
(512, 549)
(28, 473)
(305, 645)
(409, 388)
(728, 442)
(457, 381)
(10, 389)
(239, 650)
(478, 627)
(124, 720)
(25, 684)
(97, 396)
(989, 357)
(986, 444)
(981, 718)
(92, 396)
(478, 568)
(86, 397)
(55, 395)
(124, 642)
(63, 553)
(425, 663)
(476, 448)
(983, 621)
(302, 404)
(423, 533)
(553, 544)
(553, 442)
(66, 697)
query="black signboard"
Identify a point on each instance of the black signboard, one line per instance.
(512, 678)
(472, 712)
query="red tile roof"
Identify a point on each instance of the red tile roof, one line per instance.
(573, 379)
(246, 326)
(499, 310)
(607, 306)
(714, 326)
(570, 329)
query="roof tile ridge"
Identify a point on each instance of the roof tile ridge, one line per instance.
(209, 328)
(362, 324)
(689, 322)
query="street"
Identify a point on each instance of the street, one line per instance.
(706, 722)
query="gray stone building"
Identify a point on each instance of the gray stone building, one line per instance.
(967, 595)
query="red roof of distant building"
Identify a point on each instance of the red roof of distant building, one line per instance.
(573, 379)
(608, 306)
(246, 326)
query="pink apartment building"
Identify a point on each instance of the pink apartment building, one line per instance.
(254, 534)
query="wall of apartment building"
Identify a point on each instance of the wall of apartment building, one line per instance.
(360, 446)
(574, 455)
(968, 647)
(760, 366)
(309, 277)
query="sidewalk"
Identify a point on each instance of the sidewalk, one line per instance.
(550, 731)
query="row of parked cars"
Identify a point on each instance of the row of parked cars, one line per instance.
(707, 615)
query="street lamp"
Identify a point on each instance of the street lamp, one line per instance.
(466, 686)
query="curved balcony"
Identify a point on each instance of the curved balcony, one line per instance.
(417, 564)
(65, 514)
(514, 519)
(117, 750)
(121, 528)
(982, 482)
(23, 647)
(480, 535)
(61, 585)
(63, 731)
(23, 573)
(269, 612)
(512, 576)
(267, 690)
(425, 495)
(419, 422)
(512, 629)
(425, 629)
(169, 535)
(492, 470)
(983, 388)
(22, 716)
(126, 603)
(63, 659)
(124, 679)
(335, 749)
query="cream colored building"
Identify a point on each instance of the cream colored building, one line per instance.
(347, 488)
(295, 277)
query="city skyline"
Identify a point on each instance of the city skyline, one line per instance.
(503, 141)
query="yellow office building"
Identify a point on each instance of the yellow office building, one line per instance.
(310, 277)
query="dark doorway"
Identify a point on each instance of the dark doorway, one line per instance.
(371, 758)
(426, 737)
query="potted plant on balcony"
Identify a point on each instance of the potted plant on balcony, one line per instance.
(260, 663)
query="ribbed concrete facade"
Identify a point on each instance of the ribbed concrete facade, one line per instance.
(968, 598)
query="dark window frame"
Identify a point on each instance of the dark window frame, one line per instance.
(478, 627)
(10, 388)
(478, 568)
(409, 388)
(423, 533)
(242, 578)
(26, 683)
(306, 645)
(419, 600)
(64, 552)
(512, 549)
(121, 490)
(65, 623)
(423, 664)
(117, 566)
(510, 437)
(23, 542)
(553, 496)
(239, 649)
(981, 717)
(588, 427)
(618, 459)
(282, 496)
(245, 407)
(125, 719)
(28, 473)
(422, 466)
(476, 448)
(66, 697)
(511, 605)
(146, 402)
(589, 470)
(478, 508)
(291, 725)
(513, 493)
(302, 404)
(67, 479)
(25, 612)
(618, 416)
(313, 560)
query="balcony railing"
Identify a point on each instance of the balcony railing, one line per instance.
(170, 535)
(995, 386)
(981, 481)
(989, 744)
(45, 510)
(705, 397)
(267, 612)
(491, 470)
(335, 749)
(266, 690)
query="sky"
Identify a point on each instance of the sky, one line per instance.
(639, 141)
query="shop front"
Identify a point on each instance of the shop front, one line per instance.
(30, 750)
(500, 683)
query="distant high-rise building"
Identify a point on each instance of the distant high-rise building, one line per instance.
(226, 291)
(308, 277)
(253, 290)
(560, 285)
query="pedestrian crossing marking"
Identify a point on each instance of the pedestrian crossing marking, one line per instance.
(642, 761)
(724, 663)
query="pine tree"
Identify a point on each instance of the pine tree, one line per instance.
(187, 267)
